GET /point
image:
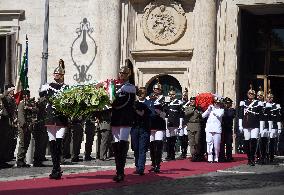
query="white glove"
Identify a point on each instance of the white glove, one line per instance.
(166, 120)
(279, 126)
(163, 115)
(180, 123)
(270, 125)
(241, 128)
(261, 125)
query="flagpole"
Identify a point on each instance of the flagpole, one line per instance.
(30, 152)
(45, 46)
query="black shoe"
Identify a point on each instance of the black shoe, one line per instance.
(157, 170)
(118, 178)
(38, 164)
(76, 159)
(168, 158)
(104, 159)
(141, 173)
(181, 157)
(55, 175)
(21, 164)
(252, 163)
(5, 165)
(89, 158)
(67, 156)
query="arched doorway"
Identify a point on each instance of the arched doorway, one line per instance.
(167, 83)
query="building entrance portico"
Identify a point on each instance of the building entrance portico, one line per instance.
(262, 54)
(168, 83)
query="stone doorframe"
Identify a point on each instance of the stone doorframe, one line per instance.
(10, 25)
(144, 76)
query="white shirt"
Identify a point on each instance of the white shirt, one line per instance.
(214, 121)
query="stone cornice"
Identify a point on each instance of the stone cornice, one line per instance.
(19, 14)
(161, 53)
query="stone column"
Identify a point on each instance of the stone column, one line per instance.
(109, 43)
(202, 71)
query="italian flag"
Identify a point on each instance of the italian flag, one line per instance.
(22, 79)
(111, 90)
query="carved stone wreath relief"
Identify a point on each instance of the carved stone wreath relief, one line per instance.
(163, 22)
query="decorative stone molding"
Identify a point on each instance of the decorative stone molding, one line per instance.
(11, 20)
(164, 22)
(161, 53)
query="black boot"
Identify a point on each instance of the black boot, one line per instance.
(158, 155)
(121, 154)
(271, 149)
(172, 148)
(152, 155)
(116, 152)
(184, 144)
(247, 150)
(168, 142)
(253, 146)
(263, 152)
(55, 156)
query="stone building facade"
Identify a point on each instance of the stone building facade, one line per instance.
(202, 45)
(192, 43)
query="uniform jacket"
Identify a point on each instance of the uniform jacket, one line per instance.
(25, 115)
(157, 122)
(251, 113)
(214, 121)
(174, 112)
(9, 107)
(122, 106)
(273, 112)
(193, 118)
(228, 119)
(53, 117)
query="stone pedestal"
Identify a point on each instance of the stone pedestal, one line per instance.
(202, 71)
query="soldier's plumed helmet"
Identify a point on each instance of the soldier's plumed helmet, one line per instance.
(125, 70)
(251, 91)
(260, 92)
(270, 94)
(157, 86)
(60, 69)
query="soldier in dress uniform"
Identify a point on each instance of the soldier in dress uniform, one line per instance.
(55, 122)
(174, 123)
(157, 128)
(183, 135)
(9, 122)
(274, 123)
(193, 119)
(122, 120)
(261, 152)
(250, 123)
(26, 116)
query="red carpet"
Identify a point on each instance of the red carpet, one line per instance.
(75, 183)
